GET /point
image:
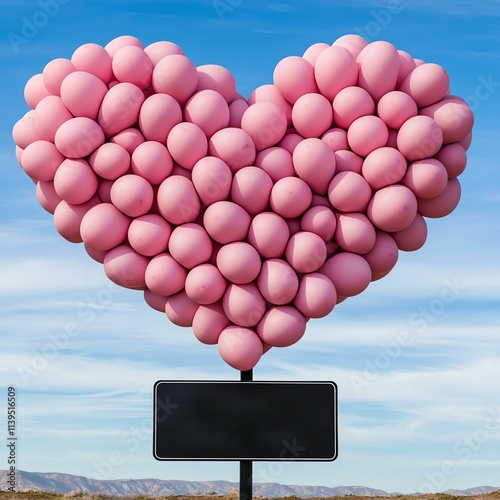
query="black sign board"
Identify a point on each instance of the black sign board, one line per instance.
(290, 421)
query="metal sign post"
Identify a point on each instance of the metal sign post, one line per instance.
(246, 465)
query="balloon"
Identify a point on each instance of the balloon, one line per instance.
(240, 348)
(316, 296)
(277, 281)
(244, 218)
(239, 262)
(294, 77)
(312, 115)
(281, 326)
(176, 76)
(209, 110)
(164, 275)
(314, 162)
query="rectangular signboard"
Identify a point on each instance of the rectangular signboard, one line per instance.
(219, 420)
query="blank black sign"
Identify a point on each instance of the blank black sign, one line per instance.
(245, 421)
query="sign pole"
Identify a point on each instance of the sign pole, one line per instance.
(246, 465)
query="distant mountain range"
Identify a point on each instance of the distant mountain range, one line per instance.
(66, 483)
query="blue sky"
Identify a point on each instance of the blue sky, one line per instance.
(84, 354)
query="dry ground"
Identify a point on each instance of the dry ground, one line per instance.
(37, 495)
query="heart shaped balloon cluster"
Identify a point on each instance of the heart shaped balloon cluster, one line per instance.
(244, 218)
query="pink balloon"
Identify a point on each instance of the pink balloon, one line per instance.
(208, 323)
(290, 197)
(282, 326)
(392, 208)
(384, 166)
(454, 158)
(335, 69)
(265, 123)
(367, 134)
(350, 104)
(243, 304)
(277, 281)
(212, 180)
(347, 161)
(187, 144)
(132, 195)
(251, 189)
(383, 256)
(240, 348)
(426, 178)
(158, 115)
(155, 301)
(349, 192)
(79, 137)
(276, 162)
(427, 84)
(122, 41)
(104, 227)
(319, 220)
(406, 66)
(314, 163)
(40, 160)
(239, 262)
(290, 141)
(126, 268)
(190, 245)
(378, 68)
(205, 284)
(55, 72)
(128, 138)
(350, 273)
(164, 275)
(270, 93)
(180, 309)
(218, 78)
(152, 161)
(453, 116)
(294, 77)
(47, 196)
(442, 204)
(305, 252)
(226, 222)
(96, 255)
(25, 132)
(120, 108)
(316, 297)
(336, 138)
(234, 146)
(355, 233)
(35, 91)
(209, 110)
(177, 76)
(178, 201)
(353, 43)
(82, 93)
(104, 190)
(158, 50)
(312, 115)
(236, 111)
(68, 219)
(312, 52)
(269, 234)
(75, 182)
(110, 161)
(132, 64)
(419, 137)
(395, 108)
(149, 234)
(413, 237)
(50, 114)
(94, 59)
